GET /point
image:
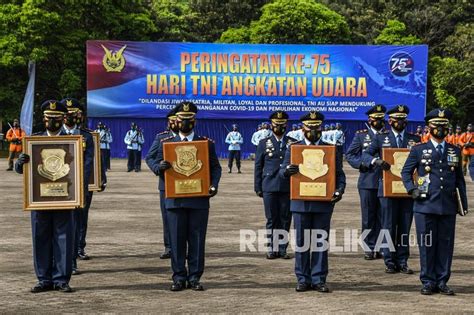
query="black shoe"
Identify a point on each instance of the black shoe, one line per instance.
(165, 255)
(178, 286)
(39, 287)
(284, 256)
(427, 289)
(320, 287)
(128, 171)
(195, 286)
(136, 171)
(378, 255)
(239, 172)
(63, 287)
(230, 171)
(83, 256)
(302, 287)
(444, 289)
(404, 269)
(75, 272)
(391, 270)
(369, 256)
(272, 256)
(9, 169)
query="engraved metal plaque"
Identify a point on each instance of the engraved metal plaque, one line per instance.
(53, 190)
(188, 186)
(392, 185)
(313, 189)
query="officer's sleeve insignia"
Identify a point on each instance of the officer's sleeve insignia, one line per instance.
(166, 139)
(208, 139)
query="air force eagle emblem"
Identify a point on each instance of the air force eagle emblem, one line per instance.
(113, 61)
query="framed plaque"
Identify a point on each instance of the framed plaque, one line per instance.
(316, 179)
(53, 179)
(95, 179)
(392, 179)
(189, 175)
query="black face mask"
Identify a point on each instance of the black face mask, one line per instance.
(398, 125)
(185, 125)
(377, 124)
(16, 125)
(313, 135)
(53, 124)
(71, 120)
(173, 126)
(279, 130)
(439, 132)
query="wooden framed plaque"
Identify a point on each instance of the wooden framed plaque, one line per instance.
(189, 175)
(392, 179)
(95, 179)
(53, 179)
(316, 179)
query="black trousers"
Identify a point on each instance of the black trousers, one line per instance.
(134, 160)
(234, 154)
(105, 153)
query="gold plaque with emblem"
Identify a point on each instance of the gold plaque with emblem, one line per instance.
(189, 175)
(95, 180)
(316, 179)
(53, 179)
(392, 179)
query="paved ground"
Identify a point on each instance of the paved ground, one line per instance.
(125, 273)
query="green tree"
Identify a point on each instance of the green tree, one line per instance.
(293, 21)
(395, 33)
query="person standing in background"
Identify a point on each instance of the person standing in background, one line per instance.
(457, 135)
(141, 141)
(14, 135)
(105, 141)
(419, 131)
(466, 142)
(131, 140)
(234, 139)
(339, 137)
(426, 135)
(255, 136)
(450, 137)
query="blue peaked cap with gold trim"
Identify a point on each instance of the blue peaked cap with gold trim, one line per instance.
(439, 116)
(53, 108)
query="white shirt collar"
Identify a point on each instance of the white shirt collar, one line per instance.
(70, 130)
(52, 134)
(374, 131)
(435, 144)
(190, 136)
(396, 133)
(309, 142)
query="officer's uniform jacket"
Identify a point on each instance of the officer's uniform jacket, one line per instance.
(268, 160)
(105, 138)
(369, 175)
(133, 139)
(386, 139)
(215, 170)
(152, 155)
(445, 175)
(88, 147)
(316, 206)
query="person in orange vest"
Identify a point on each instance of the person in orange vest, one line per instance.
(14, 136)
(426, 135)
(466, 141)
(450, 137)
(457, 135)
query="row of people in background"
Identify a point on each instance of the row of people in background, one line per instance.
(134, 139)
(105, 141)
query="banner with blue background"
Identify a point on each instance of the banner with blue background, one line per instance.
(246, 81)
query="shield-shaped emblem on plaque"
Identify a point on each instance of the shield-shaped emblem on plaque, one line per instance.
(399, 159)
(186, 160)
(53, 167)
(313, 164)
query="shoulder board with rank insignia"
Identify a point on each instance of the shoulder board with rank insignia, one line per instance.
(38, 133)
(385, 132)
(361, 131)
(208, 139)
(163, 132)
(291, 140)
(86, 129)
(167, 138)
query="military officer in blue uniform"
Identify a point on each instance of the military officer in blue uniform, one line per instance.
(188, 217)
(234, 139)
(53, 230)
(172, 131)
(397, 213)
(72, 126)
(274, 189)
(311, 266)
(439, 171)
(369, 177)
